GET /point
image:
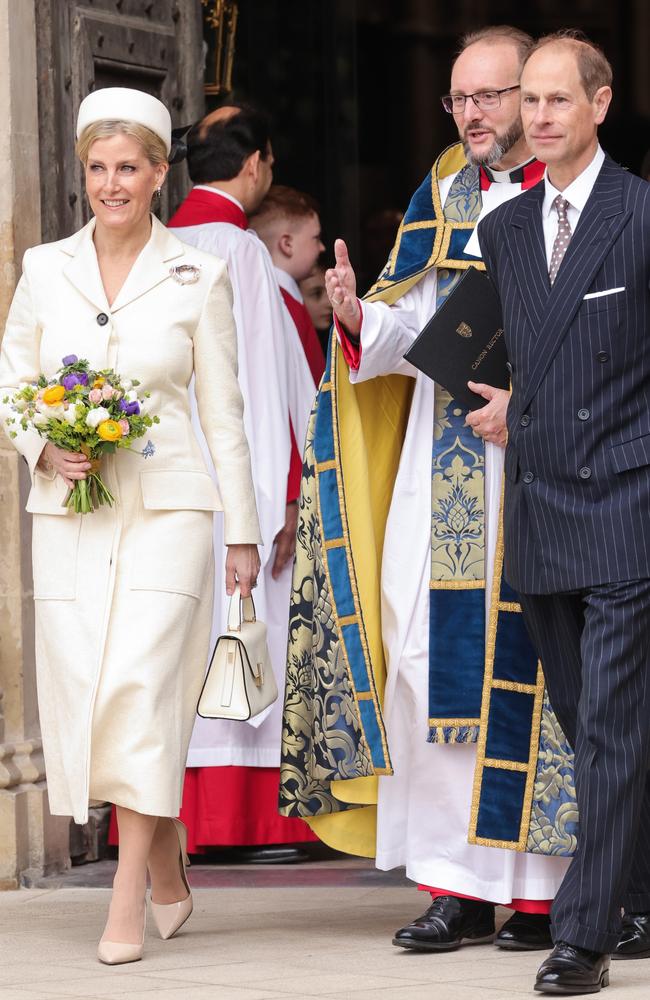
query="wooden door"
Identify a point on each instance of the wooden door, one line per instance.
(152, 45)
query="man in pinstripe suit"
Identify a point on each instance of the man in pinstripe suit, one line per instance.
(571, 260)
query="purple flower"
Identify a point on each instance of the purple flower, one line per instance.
(73, 379)
(129, 408)
(70, 359)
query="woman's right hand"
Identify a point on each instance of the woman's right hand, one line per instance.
(70, 465)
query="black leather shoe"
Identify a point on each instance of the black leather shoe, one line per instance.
(526, 932)
(572, 970)
(271, 854)
(448, 923)
(634, 941)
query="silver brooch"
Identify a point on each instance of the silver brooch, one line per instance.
(185, 274)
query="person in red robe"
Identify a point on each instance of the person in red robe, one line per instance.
(288, 223)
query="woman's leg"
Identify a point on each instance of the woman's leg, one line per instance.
(126, 913)
(167, 884)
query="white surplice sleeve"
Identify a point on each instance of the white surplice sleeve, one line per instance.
(387, 332)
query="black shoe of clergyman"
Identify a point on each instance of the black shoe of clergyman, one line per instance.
(448, 923)
(572, 970)
(634, 941)
(526, 932)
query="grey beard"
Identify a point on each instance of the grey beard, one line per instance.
(501, 145)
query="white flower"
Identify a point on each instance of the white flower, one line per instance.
(39, 419)
(51, 412)
(71, 415)
(97, 415)
(131, 395)
(126, 384)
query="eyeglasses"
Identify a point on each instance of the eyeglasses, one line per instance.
(485, 100)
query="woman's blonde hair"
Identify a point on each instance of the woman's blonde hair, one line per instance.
(152, 145)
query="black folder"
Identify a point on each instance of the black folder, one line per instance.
(463, 341)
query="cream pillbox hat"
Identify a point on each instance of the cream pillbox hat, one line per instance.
(125, 104)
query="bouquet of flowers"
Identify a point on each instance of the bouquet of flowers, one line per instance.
(94, 412)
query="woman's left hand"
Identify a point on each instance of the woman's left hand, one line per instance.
(242, 567)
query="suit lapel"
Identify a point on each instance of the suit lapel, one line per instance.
(599, 226)
(82, 269)
(528, 254)
(151, 267)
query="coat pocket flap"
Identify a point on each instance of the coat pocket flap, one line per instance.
(179, 489)
(46, 496)
(631, 454)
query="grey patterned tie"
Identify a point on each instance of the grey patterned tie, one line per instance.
(562, 238)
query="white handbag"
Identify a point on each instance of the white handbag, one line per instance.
(240, 682)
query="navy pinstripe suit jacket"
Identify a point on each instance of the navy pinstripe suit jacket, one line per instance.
(577, 500)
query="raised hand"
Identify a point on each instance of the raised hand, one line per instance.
(341, 285)
(490, 420)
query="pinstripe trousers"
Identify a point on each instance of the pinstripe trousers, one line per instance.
(595, 649)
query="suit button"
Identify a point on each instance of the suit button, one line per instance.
(583, 414)
(525, 420)
(602, 356)
(585, 472)
(102, 319)
(528, 477)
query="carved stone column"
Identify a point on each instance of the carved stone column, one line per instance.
(31, 841)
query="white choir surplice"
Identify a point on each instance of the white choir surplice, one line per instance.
(424, 807)
(276, 384)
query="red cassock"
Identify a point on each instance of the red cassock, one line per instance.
(227, 806)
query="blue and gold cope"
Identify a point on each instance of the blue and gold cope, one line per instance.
(334, 743)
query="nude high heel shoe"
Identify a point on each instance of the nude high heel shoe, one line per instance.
(170, 917)
(119, 952)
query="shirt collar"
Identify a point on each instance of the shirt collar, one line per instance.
(222, 194)
(289, 284)
(527, 174)
(578, 191)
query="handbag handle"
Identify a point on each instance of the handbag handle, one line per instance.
(246, 607)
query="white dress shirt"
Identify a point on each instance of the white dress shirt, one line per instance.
(576, 193)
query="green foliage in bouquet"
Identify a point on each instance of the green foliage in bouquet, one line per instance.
(93, 412)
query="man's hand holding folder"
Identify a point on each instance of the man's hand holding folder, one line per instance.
(462, 343)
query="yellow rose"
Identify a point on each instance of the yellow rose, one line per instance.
(109, 430)
(98, 383)
(53, 395)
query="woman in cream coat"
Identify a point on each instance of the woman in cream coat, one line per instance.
(124, 595)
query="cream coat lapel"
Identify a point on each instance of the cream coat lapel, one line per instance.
(152, 266)
(82, 269)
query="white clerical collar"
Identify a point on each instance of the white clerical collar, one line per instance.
(222, 194)
(289, 284)
(578, 191)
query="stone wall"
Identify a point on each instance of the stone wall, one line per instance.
(31, 841)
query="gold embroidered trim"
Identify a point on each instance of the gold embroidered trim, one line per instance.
(457, 585)
(510, 606)
(445, 723)
(515, 686)
(537, 689)
(326, 387)
(505, 765)
(335, 543)
(348, 620)
(356, 618)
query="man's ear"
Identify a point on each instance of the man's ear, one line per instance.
(252, 165)
(285, 243)
(602, 100)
